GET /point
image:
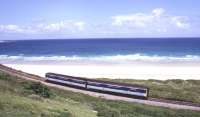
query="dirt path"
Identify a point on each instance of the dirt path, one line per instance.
(35, 78)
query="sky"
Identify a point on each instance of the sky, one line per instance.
(51, 19)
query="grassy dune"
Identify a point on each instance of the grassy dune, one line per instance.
(19, 98)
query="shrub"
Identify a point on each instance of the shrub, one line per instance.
(3, 76)
(1, 106)
(38, 89)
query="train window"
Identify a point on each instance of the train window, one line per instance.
(118, 87)
(66, 79)
(138, 90)
(104, 85)
(124, 88)
(107, 85)
(111, 86)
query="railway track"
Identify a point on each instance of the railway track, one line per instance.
(175, 102)
(151, 101)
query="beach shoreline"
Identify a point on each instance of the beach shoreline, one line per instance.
(133, 71)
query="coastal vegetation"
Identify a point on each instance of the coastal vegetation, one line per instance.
(21, 98)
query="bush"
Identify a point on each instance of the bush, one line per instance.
(3, 76)
(38, 89)
(1, 106)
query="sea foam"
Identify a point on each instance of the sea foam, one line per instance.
(2, 41)
(131, 58)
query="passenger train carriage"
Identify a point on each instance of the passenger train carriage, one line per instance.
(121, 89)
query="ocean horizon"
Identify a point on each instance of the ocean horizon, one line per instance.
(120, 50)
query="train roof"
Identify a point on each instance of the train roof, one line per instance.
(101, 81)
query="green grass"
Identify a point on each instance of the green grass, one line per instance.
(19, 98)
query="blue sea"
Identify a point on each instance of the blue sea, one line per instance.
(120, 50)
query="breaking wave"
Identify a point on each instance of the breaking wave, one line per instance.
(1, 41)
(104, 59)
(6, 41)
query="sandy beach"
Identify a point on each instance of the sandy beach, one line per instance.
(141, 72)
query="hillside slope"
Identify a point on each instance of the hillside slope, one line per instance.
(20, 98)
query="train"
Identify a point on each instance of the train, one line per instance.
(120, 89)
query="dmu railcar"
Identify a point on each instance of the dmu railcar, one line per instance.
(121, 89)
